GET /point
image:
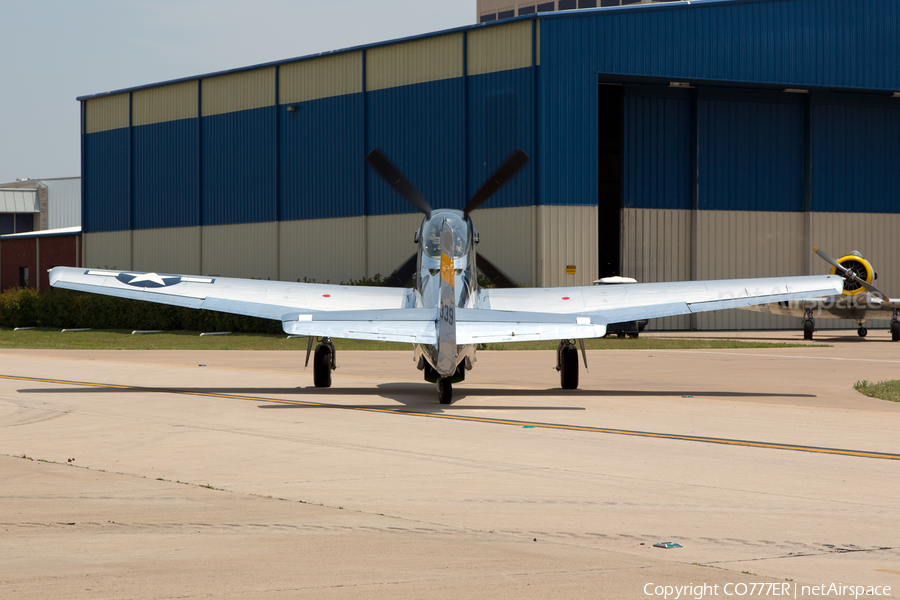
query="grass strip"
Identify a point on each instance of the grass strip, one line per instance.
(115, 339)
(883, 390)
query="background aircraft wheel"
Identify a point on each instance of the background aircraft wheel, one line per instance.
(808, 328)
(895, 331)
(322, 366)
(862, 331)
(568, 368)
(621, 336)
(445, 391)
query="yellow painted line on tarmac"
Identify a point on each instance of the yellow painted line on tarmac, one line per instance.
(471, 419)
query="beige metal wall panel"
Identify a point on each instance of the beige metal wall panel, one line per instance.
(499, 48)
(321, 78)
(874, 235)
(507, 240)
(323, 250)
(249, 250)
(567, 235)
(165, 103)
(106, 113)
(238, 91)
(418, 61)
(390, 242)
(107, 250)
(656, 246)
(735, 244)
(170, 250)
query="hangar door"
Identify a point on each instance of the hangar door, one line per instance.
(712, 186)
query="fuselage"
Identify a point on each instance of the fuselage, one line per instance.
(446, 280)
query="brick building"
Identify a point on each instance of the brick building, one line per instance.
(25, 258)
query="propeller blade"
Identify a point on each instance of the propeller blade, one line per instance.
(396, 180)
(401, 276)
(510, 167)
(496, 276)
(847, 273)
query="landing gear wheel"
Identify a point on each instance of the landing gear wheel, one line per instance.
(862, 331)
(895, 331)
(808, 328)
(322, 366)
(445, 391)
(568, 367)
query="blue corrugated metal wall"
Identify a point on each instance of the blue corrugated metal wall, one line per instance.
(831, 43)
(322, 170)
(750, 152)
(107, 186)
(501, 119)
(421, 128)
(656, 148)
(239, 167)
(855, 155)
(166, 176)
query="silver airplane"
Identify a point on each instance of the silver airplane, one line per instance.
(446, 314)
(859, 299)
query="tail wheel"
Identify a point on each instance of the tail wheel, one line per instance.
(322, 366)
(445, 391)
(895, 331)
(808, 328)
(568, 367)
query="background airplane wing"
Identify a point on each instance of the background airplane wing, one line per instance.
(835, 307)
(304, 308)
(521, 314)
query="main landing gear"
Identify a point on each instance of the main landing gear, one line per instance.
(323, 362)
(895, 328)
(567, 364)
(809, 325)
(862, 331)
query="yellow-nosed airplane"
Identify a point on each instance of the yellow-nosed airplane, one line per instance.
(859, 299)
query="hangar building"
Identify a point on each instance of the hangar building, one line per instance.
(668, 141)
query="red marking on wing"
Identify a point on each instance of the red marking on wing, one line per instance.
(565, 298)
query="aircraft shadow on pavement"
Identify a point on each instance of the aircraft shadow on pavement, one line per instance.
(415, 395)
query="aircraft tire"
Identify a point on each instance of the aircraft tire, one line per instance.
(568, 368)
(862, 331)
(322, 366)
(895, 331)
(445, 391)
(808, 328)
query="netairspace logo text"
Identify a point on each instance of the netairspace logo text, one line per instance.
(758, 590)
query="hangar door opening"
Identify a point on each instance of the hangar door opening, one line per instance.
(609, 179)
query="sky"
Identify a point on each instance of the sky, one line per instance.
(53, 51)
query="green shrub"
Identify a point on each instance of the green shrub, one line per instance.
(20, 307)
(25, 307)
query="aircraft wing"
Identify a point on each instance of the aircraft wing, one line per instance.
(834, 307)
(359, 312)
(593, 306)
